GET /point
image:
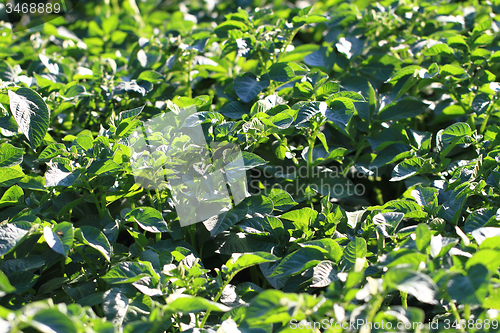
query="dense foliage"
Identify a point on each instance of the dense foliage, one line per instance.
(370, 135)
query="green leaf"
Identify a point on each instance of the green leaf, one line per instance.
(426, 197)
(248, 86)
(59, 238)
(151, 76)
(326, 245)
(297, 262)
(10, 155)
(479, 218)
(75, 91)
(407, 168)
(14, 195)
(129, 272)
(5, 286)
(355, 249)
(189, 304)
(240, 261)
(11, 234)
(115, 305)
(131, 113)
(420, 285)
(469, 288)
(103, 167)
(281, 72)
(281, 199)
(96, 239)
(31, 114)
(323, 274)
(52, 321)
(423, 237)
(388, 222)
(407, 108)
(489, 258)
(53, 150)
(438, 50)
(148, 219)
(453, 70)
(301, 217)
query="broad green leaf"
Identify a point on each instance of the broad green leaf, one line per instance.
(11, 234)
(5, 286)
(326, 245)
(248, 86)
(323, 274)
(407, 168)
(297, 262)
(53, 321)
(115, 305)
(10, 155)
(96, 239)
(9, 176)
(355, 249)
(130, 113)
(148, 219)
(12, 196)
(31, 114)
(103, 167)
(439, 50)
(479, 218)
(407, 108)
(53, 150)
(129, 272)
(388, 222)
(471, 287)
(281, 199)
(423, 237)
(151, 76)
(281, 72)
(426, 197)
(488, 258)
(189, 304)
(59, 238)
(75, 91)
(301, 217)
(453, 70)
(240, 261)
(420, 285)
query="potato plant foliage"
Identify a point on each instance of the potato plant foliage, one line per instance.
(370, 133)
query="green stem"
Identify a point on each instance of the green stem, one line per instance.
(87, 261)
(488, 113)
(94, 196)
(216, 299)
(456, 315)
(188, 78)
(379, 299)
(462, 105)
(404, 299)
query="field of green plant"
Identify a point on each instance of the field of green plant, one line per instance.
(370, 134)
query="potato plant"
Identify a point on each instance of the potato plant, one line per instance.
(370, 138)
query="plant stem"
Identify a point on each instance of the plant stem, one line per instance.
(456, 315)
(488, 113)
(404, 299)
(379, 299)
(94, 196)
(86, 259)
(216, 299)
